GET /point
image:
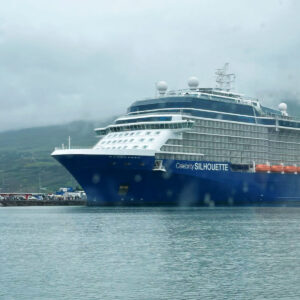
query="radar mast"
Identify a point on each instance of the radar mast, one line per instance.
(224, 81)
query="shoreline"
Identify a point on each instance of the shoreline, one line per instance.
(52, 202)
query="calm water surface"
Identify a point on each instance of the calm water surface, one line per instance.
(147, 253)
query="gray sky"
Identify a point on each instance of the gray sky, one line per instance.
(64, 60)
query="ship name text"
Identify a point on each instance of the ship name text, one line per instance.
(202, 166)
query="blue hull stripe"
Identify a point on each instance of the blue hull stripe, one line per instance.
(130, 180)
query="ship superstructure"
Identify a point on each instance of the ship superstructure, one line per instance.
(192, 147)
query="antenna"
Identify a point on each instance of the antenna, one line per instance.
(224, 81)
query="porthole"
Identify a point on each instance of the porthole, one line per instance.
(148, 133)
(131, 140)
(135, 147)
(150, 140)
(141, 140)
(157, 132)
(145, 146)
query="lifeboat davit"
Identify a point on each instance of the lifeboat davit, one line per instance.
(290, 169)
(262, 168)
(277, 169)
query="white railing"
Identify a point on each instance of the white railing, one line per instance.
(71, 148)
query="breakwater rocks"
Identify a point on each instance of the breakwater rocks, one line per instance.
(45, 202)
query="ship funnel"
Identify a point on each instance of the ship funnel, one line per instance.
(162, 87)
(283, 108)
(193, 83)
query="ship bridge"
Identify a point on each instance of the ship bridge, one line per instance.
(174, 122)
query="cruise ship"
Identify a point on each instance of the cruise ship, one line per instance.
(192, 147)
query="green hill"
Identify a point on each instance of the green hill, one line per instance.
(25, 161)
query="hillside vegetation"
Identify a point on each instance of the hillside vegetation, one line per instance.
(25, 161)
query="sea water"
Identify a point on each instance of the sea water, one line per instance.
(149, 253)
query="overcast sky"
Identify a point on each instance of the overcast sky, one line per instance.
(64, 60)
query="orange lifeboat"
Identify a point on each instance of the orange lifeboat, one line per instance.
(290, 169)
(298, 169)
(262, 168)
(277, 168)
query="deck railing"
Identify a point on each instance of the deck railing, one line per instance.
(71, 148)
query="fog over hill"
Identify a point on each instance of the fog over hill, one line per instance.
(84, 60)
